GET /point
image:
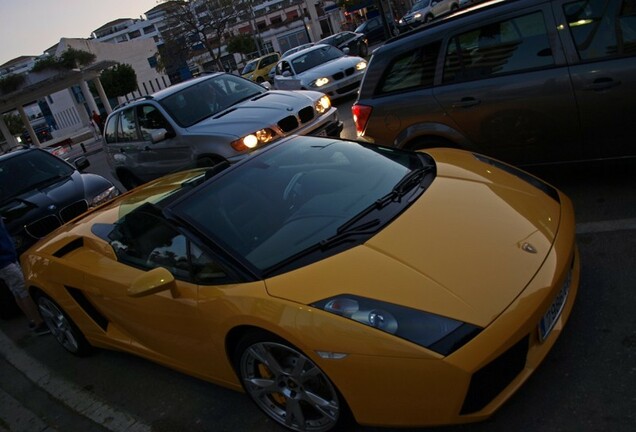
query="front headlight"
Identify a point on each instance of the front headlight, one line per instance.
(323, 104)
(253, 140)
(401, 21)
(361, 65)
(101, 198)
(319, 82)
(417, 16)
(435, 332)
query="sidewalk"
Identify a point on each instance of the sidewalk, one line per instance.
(33, 399)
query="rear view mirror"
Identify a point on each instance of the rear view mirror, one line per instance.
(266, 84)
(151, 282)
(81, 163)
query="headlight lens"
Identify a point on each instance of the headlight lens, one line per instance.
(323, 104)
(101, 198)
(417, 16)
(253, 140)
(435, 332)
(361, 65)
(319, 82)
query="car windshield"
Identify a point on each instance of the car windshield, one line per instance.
(294, 196)
(30, 170)
(208, 97)
(249, 67)
(315, 57)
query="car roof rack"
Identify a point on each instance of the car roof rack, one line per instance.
(123, 104)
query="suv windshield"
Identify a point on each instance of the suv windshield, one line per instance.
(29, 170)
(297, 196)
(208, 97)
(316, 57)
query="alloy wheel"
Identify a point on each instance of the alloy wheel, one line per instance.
(289, 387)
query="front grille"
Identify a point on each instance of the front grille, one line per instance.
(490, 380)
(288, 124)
(73, 210)
(42, 227)
(306, 114)
(338, 76)
(347, 72)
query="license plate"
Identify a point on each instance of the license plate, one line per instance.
(554, 311)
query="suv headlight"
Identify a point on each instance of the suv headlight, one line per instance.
(101, 198)
(361, 65)
(323, 104)
(253, 140)
(435, 332)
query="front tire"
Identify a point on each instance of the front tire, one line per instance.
(62, 327)
(287, 385)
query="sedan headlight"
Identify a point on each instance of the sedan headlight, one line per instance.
(323, 104)
(319, 82)
(101, 198)
(435, 332)
(253, 140)
(361, 65)
(417, 16)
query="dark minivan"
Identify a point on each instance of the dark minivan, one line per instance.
(526, 81)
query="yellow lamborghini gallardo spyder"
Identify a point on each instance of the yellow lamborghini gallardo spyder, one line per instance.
(329, 280)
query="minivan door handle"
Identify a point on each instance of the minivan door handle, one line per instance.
(602, 84)
(466, 102)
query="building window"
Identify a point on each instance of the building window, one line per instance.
(134, 34)
(149, 29)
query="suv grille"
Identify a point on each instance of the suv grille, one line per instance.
(288, 124)
(306, 114)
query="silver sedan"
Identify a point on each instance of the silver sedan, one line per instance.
(322, 68)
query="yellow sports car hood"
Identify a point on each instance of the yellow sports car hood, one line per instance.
(465, 249)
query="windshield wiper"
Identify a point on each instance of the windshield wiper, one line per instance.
(48, 181)
(401, 188)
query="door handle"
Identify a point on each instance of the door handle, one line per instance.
(602, 84)
(466, 102)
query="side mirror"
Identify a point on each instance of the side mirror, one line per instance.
(287, 73)
(81, 163)
(266, 84)
(153, 281)
(346, 50)
(158, 135)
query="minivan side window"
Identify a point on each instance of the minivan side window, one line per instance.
(127, 130)
(514, 45)
(602, 28)
(414, 69)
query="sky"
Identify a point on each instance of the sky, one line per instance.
(28, 27)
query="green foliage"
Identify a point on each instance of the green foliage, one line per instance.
(241, 44)
(14, 123)
(119, 80)
(70, 59)
(10, 83)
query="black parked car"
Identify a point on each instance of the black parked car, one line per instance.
(525, 81)
(38, 193)
(373, 29)
(356, 43)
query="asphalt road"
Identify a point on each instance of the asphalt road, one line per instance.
(587, 382)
